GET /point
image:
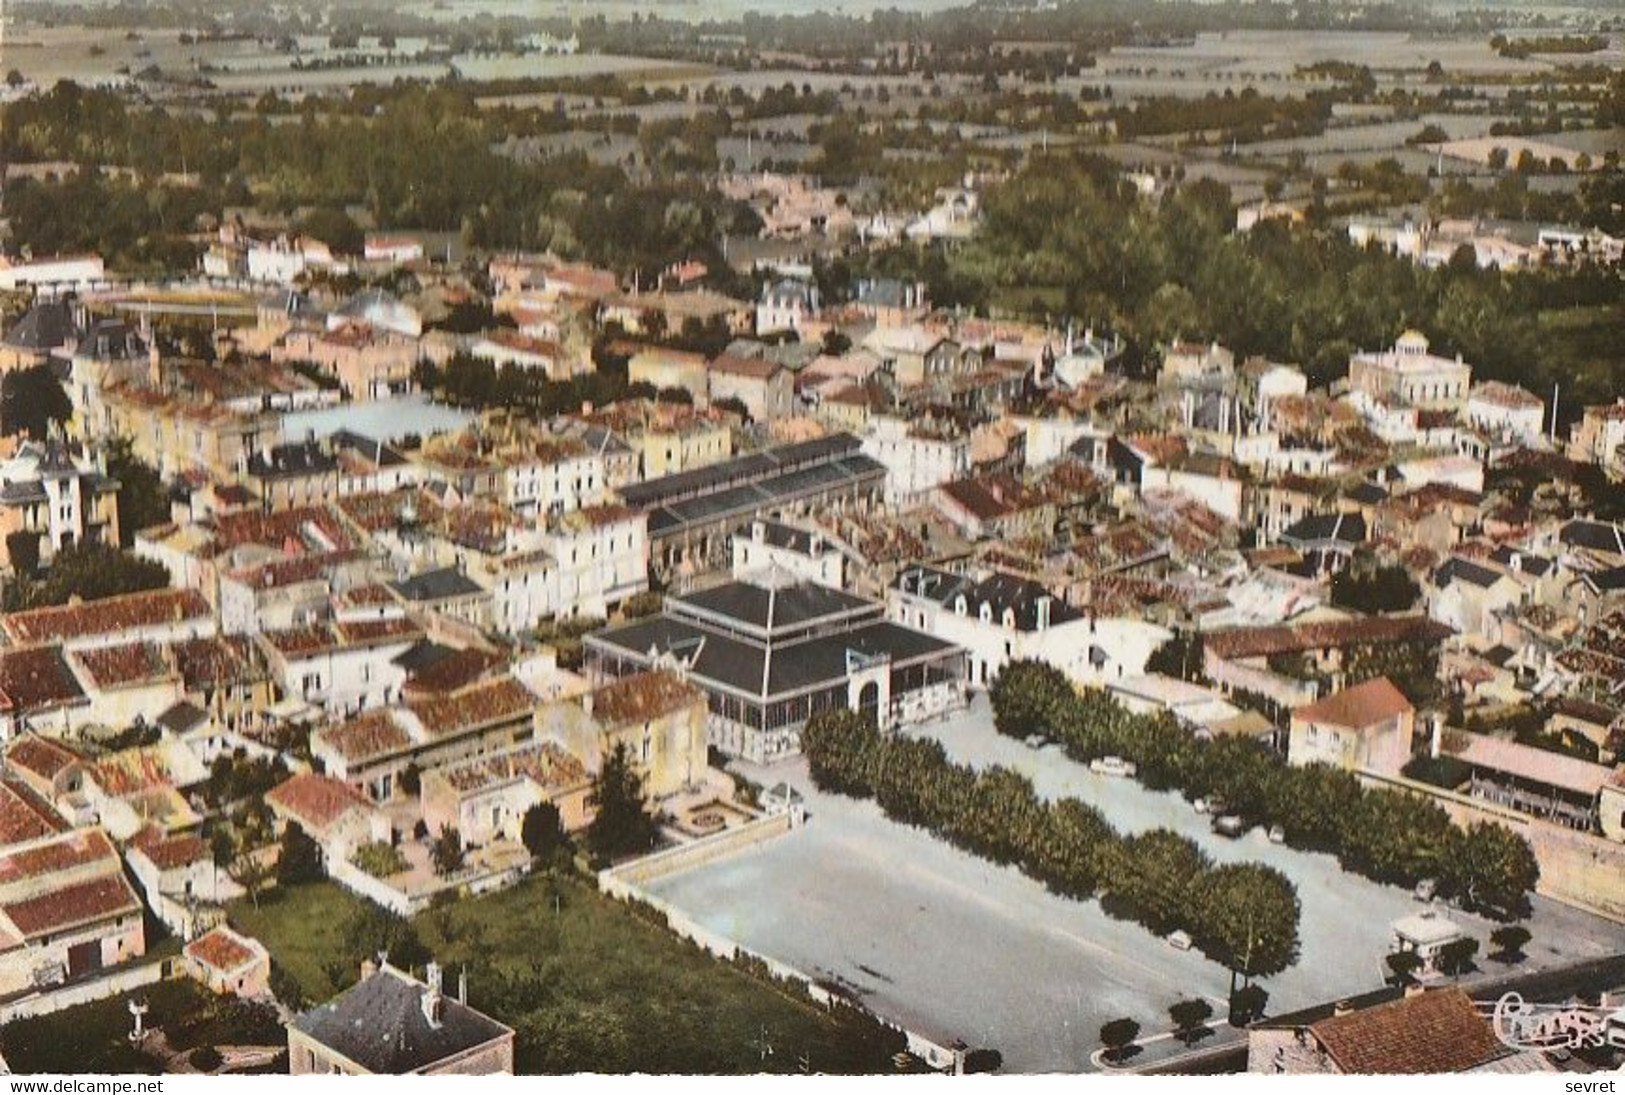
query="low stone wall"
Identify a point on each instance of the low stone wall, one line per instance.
(686, 857)
(377, 891)
(1233, 675)
(1580, 869)
(84, 992)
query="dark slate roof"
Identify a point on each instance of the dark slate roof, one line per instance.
(779, 535)
(1594, 536)
(379, 1024)
(762, 495)
(1457, 569)
(17, 494)
(1367, 494)
(288, 461)
(1607, 581)
(436, 585)
(182, 717)
(882, 292)
(999, 591)
(46, 326)
(740, 471)
(109, 340)
(376, 451)
(1337, 528)
(759, 607)
(745, 666)
(1530, 564)
(421, 655)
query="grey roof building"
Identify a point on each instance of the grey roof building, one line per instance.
(771, 655)
(390, 1023)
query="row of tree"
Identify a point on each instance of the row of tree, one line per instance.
(1243, 916)
(1383, 834)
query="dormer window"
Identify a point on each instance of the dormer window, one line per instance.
(986, 613)
(959, 605)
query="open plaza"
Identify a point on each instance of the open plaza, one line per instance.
(952, 946)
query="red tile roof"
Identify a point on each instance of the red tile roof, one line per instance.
(42, 756)
(74, 849)
(285, 530)
(373, 734)
(222, 950)
(170, 851)
(455, 671)
(1433, 1033)
(1358, 707)
(129, 663)
(316, 802)
(643, 697)
(106, 617)
(217, 661)
(36, 678)
(23, 817)
(81, 903)
(491, 701)
(1253, 642)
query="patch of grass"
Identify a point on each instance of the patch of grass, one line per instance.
(305, 928)
(587, 983)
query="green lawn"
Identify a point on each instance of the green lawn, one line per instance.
(587, 984)
(92, 1038)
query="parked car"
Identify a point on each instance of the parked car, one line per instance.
(1035, 741)
(1200, 805)
(1180, 941)
(1229, 825)
(1277, 834)
(1113, 766)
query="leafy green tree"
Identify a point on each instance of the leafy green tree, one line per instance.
(1510, 940)
(1404, 966)
(621, 824)
(1248, 920)
(300, 860)
(22, 548)
(1456, 957)
(1247, 1004)
(1179, 657)
(1382, 589)
(1188, 1017)
(1026, 696)
(1117, 1036)
(446, 853)
(837, 745)
(31, 400)
(1158, 884)
(334, 227)
(89, 571)
(542, 831)
(142, 500)
(1395, 837)
(1489, 867)
(1312, 804)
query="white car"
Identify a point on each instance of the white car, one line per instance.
(1180, 941)
(1112, 766)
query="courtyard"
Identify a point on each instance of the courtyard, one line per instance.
(955, 947)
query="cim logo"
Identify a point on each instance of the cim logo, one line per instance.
(1522, 1025)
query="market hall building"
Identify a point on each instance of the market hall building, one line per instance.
(772, 653)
